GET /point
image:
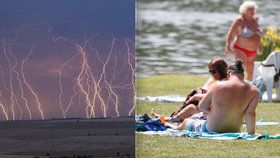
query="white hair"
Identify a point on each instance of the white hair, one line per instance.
(247, 4)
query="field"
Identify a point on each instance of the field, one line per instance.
(158, 146)
(110, 137)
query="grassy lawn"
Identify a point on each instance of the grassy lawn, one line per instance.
(158, 146)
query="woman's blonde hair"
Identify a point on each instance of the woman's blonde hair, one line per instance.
(247, 4)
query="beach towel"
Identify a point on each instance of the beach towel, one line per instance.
(140, 119)
(210, 135)
(151, 126)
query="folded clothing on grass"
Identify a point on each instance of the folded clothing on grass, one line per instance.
(145, 123)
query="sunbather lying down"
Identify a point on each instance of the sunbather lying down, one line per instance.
(227, 103)
(218, 69)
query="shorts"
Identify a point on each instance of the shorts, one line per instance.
(198, 125)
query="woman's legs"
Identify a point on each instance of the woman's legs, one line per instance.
(247, 63)
(240, 55)
(187, 112)
(156, 115)
(184, 113)
(180, 126)
(250, 67)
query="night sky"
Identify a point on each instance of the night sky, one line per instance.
(66, 58)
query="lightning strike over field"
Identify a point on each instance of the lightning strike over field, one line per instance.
(39, 105)
(10, 81)
(87, 82)
(67, 61)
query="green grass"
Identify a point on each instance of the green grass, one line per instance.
(158, 146)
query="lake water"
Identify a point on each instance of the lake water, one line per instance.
(181, 36)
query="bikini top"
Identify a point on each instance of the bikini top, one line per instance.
(247, 32)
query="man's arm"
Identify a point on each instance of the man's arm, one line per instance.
(250, 114)
(204, 104)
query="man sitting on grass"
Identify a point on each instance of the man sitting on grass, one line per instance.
(227, 102)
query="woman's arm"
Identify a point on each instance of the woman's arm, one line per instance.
(208, 82)
(260, 50)
(231, 33)
(197, 97)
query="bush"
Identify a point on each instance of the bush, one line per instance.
(270, 42)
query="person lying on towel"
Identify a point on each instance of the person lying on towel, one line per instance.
(227, 103)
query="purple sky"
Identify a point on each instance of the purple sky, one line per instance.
(66, 58)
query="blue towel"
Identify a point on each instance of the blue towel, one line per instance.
(211, 135)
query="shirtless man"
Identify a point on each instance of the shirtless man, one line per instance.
(227, 103)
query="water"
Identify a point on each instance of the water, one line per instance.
(181, 36)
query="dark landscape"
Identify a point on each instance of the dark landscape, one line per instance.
(63, 138)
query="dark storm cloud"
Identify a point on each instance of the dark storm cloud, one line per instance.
(71, 18)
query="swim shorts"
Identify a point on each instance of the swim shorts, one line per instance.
(198, 125)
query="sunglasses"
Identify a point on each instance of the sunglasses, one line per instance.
(212, 71)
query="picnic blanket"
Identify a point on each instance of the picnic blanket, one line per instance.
(210, 135)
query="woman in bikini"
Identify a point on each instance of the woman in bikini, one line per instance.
(218, 70)
(248, 37)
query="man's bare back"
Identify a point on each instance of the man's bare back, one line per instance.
(229, 102)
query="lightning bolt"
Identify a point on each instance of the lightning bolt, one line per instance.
(39, 105)
(2, 106)
(4, 111)
(71, 101)
(133, 75)
(61, 88)
(85, 68)
(21, 86)
(10, 79)
(115, 98)
(96, 80)
(102, 76)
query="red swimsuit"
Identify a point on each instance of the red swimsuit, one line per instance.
(249, 53)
